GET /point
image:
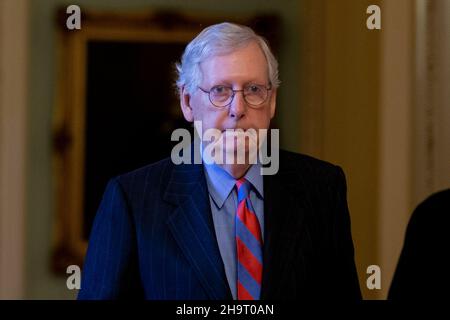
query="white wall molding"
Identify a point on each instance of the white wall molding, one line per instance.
(396, 114)
(432, 107)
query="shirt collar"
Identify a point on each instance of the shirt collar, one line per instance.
(221, 183)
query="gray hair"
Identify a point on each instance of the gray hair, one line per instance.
(220, 39)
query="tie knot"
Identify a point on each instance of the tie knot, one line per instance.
(243, 188)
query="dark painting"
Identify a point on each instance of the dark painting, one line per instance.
(131, 110)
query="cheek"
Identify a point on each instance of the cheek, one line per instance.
(261, 118)
(198, 108)
(210, 118)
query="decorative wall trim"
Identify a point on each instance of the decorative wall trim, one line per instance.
(312, 39)
(432, 98)
(396, 133)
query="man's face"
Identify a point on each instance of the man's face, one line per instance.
(238, 69)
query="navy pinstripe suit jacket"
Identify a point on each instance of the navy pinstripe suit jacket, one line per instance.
(153, 236)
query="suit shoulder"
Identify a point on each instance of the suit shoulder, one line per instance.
(312, 171)
(433, 211)
(437, 201)
(157, 171)
(302, 162)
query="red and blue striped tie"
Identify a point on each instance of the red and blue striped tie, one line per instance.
(249, 246)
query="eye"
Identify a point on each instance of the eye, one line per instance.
(254, 89)
(219, 90)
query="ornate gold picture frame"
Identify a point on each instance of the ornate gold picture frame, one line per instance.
(70, 128)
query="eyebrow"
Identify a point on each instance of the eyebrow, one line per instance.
(229, 84)
(228, 81)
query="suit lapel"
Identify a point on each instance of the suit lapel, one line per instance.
(191, 224)
(192, 227)
(284, 213)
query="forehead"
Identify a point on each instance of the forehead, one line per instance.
(242, 65)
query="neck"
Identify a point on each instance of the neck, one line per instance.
(237, 171)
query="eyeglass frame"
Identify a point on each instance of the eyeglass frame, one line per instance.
(255, 106)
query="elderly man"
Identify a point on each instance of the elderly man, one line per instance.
(223, 230)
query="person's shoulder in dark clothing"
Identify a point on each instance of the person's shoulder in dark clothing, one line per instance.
(421, 271)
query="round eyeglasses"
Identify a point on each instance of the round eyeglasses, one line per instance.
(222, 96)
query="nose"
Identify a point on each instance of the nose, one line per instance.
(238, 106)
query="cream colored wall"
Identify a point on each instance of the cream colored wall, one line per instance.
(351, 118)
(13, 96)
(363, 119)
(396, 134)
(441, 49)
(377, 103)
(340, 109)
(432, 98)
(415, 117)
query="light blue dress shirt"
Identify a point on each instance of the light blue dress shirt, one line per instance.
(223, 200)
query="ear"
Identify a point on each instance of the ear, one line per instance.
(185, 103)
(273, 102)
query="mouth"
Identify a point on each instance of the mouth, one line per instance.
(234, 129)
